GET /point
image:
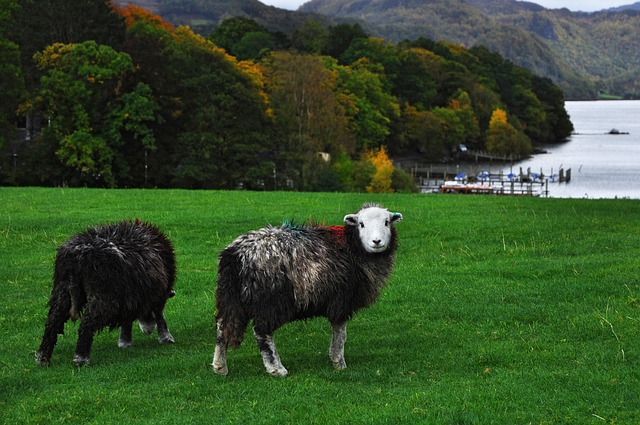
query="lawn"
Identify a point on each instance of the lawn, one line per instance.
(500, 310)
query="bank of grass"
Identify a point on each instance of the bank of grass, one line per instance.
(500, 310)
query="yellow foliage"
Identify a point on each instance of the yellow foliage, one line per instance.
(381, 180)
(499, 117)
(254, 72)
(52, 55)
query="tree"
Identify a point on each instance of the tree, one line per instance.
(311, 37)
(253, 46)
(11, 88)
(340, 38)
(503, 138)
(84, 93)
(243, 38)
(232, 30)
(407, 74)
(308, 116)
(381, 182)
(369, 107)
(424, 131)
(557, 126)
(216, 125)
(40, 23)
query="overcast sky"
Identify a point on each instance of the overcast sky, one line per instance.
(584, 5)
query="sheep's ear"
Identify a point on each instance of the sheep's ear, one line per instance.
(351, 219)
(396, 217)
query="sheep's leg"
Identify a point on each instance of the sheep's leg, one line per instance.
(336, 349)
(75, 293)
(58, 316)
(220, 354)
(270, 356)
(147, 323)
(94, 319)
(164, 336)
(125, 335)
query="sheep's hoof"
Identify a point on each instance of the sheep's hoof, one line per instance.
(339, 365)
(147, 327)
(80, 361)
(42, 360)
(278, 372)
(124, 343)
(220, 369)
(166, 339)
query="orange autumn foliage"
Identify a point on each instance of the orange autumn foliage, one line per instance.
(133, 14)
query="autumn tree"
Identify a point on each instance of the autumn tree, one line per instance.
(504, 139)
(381, 182)
(215, 121)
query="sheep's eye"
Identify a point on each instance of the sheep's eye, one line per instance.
(386, 223)
(362, 225)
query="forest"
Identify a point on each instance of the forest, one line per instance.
(94, 94)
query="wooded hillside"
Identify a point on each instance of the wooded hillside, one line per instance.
(584, 53)
(118, 97)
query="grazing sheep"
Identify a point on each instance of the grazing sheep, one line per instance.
(110, 276)
(279, 274)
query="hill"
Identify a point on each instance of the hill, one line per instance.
(634, 6)
(584, 53)
(203, 17)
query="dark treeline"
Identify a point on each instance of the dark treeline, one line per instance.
(116, 97)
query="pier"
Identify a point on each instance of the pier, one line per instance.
(480, 179)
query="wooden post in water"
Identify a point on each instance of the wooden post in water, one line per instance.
(546, 188)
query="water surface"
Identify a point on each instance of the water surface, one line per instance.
(602, 165)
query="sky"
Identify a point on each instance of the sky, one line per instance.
(582, 5)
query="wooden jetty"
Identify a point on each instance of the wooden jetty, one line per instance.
(475, 179)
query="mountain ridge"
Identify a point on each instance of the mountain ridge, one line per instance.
(584, 53)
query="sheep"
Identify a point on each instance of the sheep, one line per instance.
(276, 275)
(110, 276)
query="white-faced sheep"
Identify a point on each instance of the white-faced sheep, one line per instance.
(110, 276)
(279, 274)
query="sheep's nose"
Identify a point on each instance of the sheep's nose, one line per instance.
(376, 242)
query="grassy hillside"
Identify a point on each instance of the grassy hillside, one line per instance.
(500, 310)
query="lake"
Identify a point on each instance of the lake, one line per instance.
(602, 165)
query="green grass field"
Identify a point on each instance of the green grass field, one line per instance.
(500, 310)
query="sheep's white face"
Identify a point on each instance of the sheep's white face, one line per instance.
(374, 227)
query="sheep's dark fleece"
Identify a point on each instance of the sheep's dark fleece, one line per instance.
(110, 276)
(275, 275)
